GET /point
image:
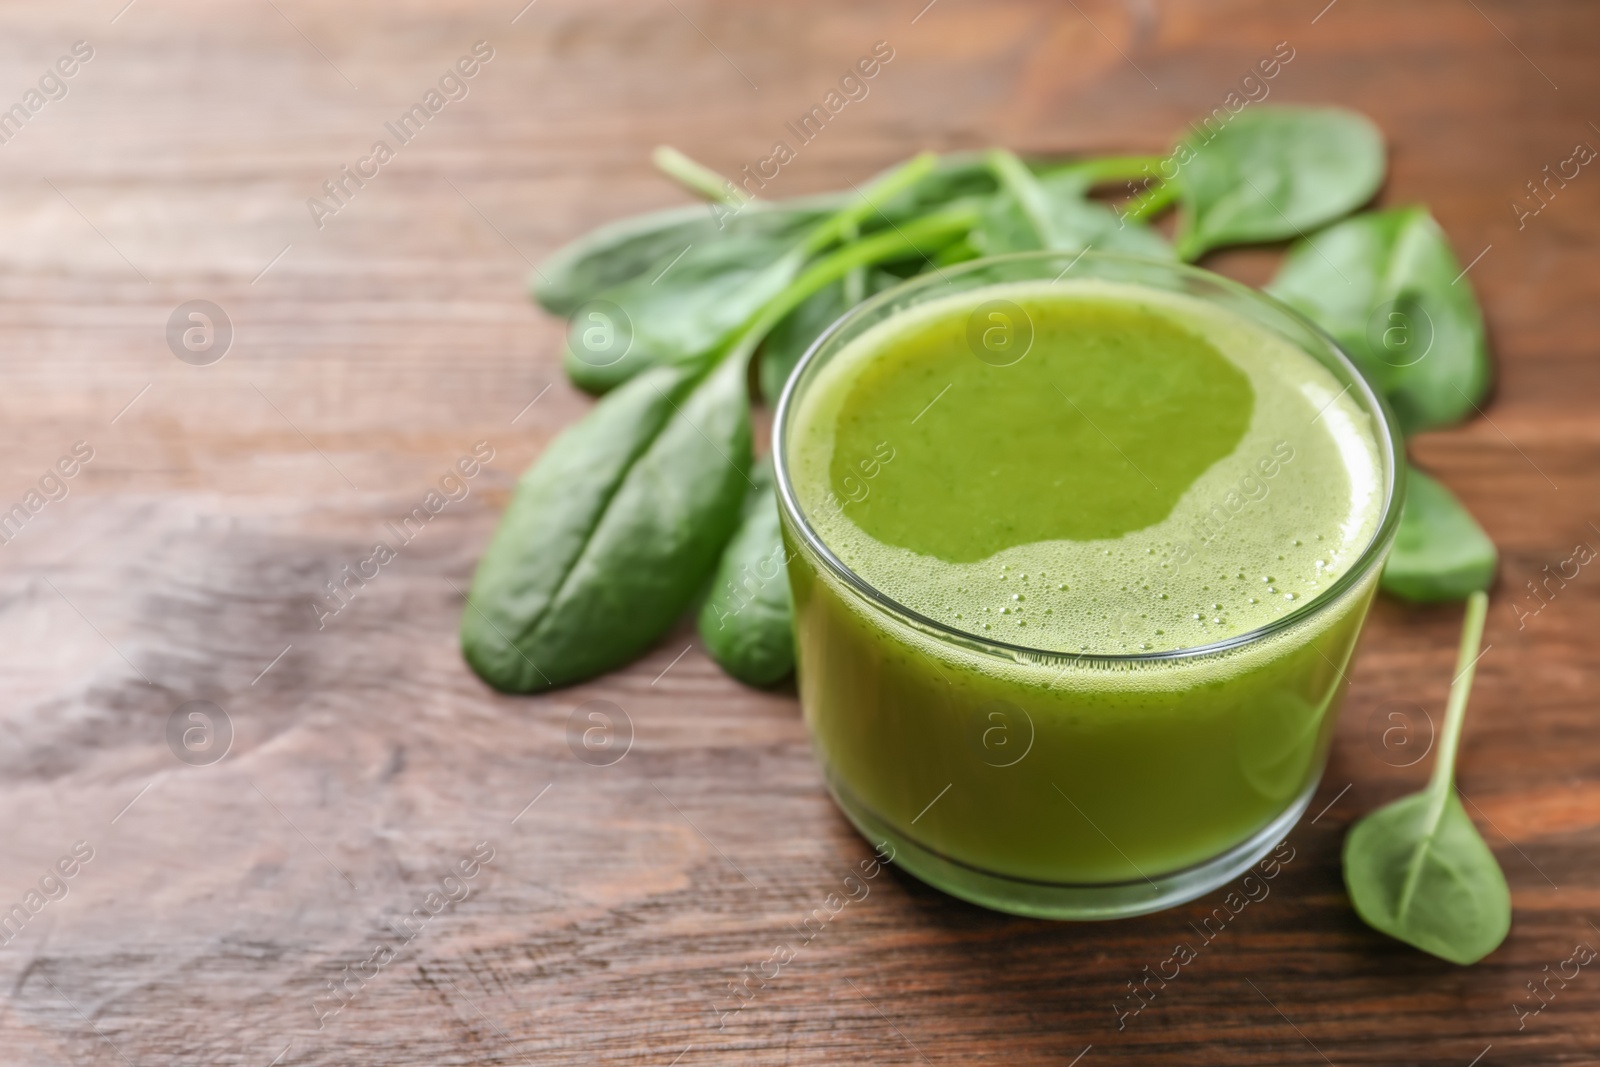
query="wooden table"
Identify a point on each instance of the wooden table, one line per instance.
(370, 353)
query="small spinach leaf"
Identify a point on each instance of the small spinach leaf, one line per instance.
(612, 533)
(747, 623)
(1440, 552)
(1387, 287)
(1270, 173)
(1417, 869)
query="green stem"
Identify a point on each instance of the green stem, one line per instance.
(1107, 169)
(696, 177)
(855, 283)
(1014, 177)
(1456, 709)
(1444, 767)
(1151, 202)
(880, 247)
(957, 252)
(873, 197)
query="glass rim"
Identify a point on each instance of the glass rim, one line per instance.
(1389, 447)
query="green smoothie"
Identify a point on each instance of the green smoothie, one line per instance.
(1048, 487)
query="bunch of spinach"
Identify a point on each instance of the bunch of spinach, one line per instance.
(617, 527)
(629, 515)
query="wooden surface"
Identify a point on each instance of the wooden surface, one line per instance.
(366, 761)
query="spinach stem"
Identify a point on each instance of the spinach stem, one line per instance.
(1456, 708)
(872, 198)
(957, 252)
(855, 283)
(1444, 767)
(1150, 202)
(880, 247)
(1106, 169)
(697, 177)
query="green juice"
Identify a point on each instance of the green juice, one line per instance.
(1077, 506)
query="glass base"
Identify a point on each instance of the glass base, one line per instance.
(1045, 900)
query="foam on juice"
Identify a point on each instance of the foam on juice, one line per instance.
(1155, 473)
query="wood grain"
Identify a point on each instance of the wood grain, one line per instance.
(366, 761)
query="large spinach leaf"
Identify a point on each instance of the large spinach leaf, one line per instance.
(1269, 173)
(1387, 287)
(698, 301)
(960, 178)
(609, 255)
(683, 312)
(1417, 869)
(1440, 552)
(747, 622)
(792, 337)
(833, 286)
(968, 178)
(1077, 224)
(612, 533)
(1053, 212)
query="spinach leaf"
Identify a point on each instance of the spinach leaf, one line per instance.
(1270, 173)
(791, 338)
(1077, 224)
(747, 623)
(609, 255)
(1440, 552)
(1053, 212)
(1417, 869)
(1027, 195)
(682, 310)
(967, 178)
(691, 307)
(612, 533)
(1387, 287)
(957, 178)
(613, 253)
(836, 283)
